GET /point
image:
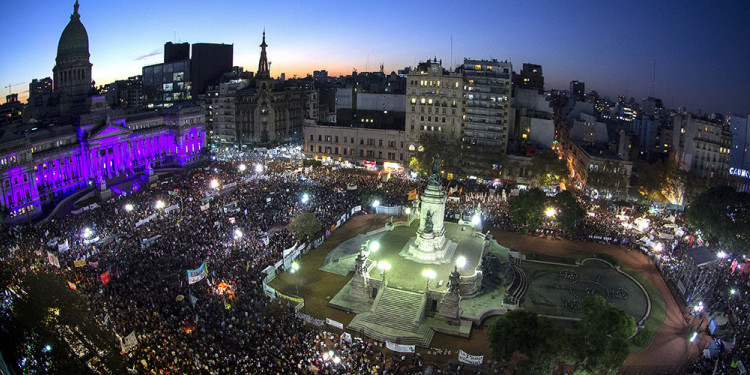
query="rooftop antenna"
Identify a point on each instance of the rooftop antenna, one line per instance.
(653, 82)
(451, 52)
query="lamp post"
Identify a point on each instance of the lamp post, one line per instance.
(429, 274)
(294, 268)
(129, 207)
(243, 167)
(214, 184)
(550, 212)
(383, 266)
(159, 204)
(461, 261)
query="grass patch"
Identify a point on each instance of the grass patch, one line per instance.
(609, 258)
(655, 319)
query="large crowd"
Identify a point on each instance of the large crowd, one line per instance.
(235, 221)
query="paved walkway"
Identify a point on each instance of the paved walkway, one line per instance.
(669, 349)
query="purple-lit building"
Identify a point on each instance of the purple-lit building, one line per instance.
(40, 165)
(90, 144)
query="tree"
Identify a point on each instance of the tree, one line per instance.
(569, 210)
(522, 331)
(601, 338)
(528, 207)
(723, 215)
(547, 169)
(304, 226)
(429, 145)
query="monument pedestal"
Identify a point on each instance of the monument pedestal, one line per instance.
(448, 309)
(102, 191)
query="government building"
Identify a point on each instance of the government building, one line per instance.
(83, 144)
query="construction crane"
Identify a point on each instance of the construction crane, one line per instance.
(10, 86)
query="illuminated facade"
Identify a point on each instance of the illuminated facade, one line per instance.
(355, 145)
(434, 103)
(45, 164)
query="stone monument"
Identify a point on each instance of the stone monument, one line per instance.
(448, 307)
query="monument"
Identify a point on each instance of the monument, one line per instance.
(421, 272)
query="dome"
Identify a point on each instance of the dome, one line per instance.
(74, 39)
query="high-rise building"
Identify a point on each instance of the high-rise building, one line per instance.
(166, 84)
(702, 147)
(434, 103)
(530, 78)
(577, 90)
(740, 128)
(486, 104)
(220, 112)
(72, 71)
(11, 111)
(207, 63)
(176, 52)
(126, 94)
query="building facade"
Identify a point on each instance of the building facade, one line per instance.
(702, 147)
(434, 103)
(740, 154)
(45, 164)
(530, 78)
(72, 71)
(342, 145)
(220, 112)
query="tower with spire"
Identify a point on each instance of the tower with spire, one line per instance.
(263, 70)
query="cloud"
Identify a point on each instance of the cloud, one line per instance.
(155, 52)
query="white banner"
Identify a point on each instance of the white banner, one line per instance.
(171, 208)
(399, 348)
(129, 342)
(144, 221)
(63, 246)
(334, 323)
(346, 336)
(356, 209)
(53, 259)
(467, 358)
(205, 206)
(229, 186)
(351, 187)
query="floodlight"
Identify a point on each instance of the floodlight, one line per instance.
(243, 167)
(128, 207)
(461, 261)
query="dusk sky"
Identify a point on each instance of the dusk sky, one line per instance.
(700, 47)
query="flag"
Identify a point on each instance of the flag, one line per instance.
(197, 274)
(53, 259)
(94, 264)
(105, 277)
(79, 263)
(412, 194)
(72, 285)
(63, 246)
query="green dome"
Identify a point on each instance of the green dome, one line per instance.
(74, 39)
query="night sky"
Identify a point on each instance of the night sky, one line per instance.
(701, 48)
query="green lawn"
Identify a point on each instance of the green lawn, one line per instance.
(658, 309)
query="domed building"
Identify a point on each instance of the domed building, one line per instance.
(72, 71)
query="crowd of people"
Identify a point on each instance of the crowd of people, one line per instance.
(233, 220)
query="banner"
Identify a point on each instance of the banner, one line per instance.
(53, 259)
(351, 187)
(105, 277)
(347, 337)
(171, 208)
(356, 209)
(129, 342)
(334, 323)
(94, 264)
(72, 285)
(311, 320)
(413, 194)
(79, 263)
(144, 221)
(197, 274)
(63, 246)
(467, 358)
(399, 348)
(205, 206)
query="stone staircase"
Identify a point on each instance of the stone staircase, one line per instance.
(396, 316)
(520, 283)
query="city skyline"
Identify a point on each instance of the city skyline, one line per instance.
(612, 48)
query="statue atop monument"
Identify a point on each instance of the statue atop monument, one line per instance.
(435, 168)
(428, 222)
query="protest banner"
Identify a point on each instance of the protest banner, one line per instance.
(334, 323)
(467, 358)
(399, 348)
(197, 274)
(53, 259)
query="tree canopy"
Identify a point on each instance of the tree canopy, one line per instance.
(304, 226)
(723, 215)
(569, 210)
(528, 207)
(519, 330)
(608, 179)
(601, 338)
(547, 168)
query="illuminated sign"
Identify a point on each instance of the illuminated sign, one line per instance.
(369, 164)
(739, 172)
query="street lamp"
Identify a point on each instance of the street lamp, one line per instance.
(159, 204)
(128, 207)
(429, 274)
(305, 198)
(259, 168)
(237, 234)
(214, 183)
(87, 233)
(295, 267)
(243, 167)
(475, 220)
(375, 203)
(550, 212)
(374, 246)
(407, 211)
(721, 254)
(461, 261)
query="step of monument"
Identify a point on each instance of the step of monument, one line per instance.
(398, 309)
(422, 337)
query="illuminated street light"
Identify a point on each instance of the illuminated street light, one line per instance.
(237, 234)
(374, 246)
(214, 183)
(87, 232)
(159, 204)
(461, 261)
(658, 247)
(375, 203)
(128, 207)
(305, 198)
(243, 167)
(295, 267)
(47, 348)
(259, 168)
(384, 266)
(721, 254)
(550, 212)
(475, 220)
(407, 211)
(429, 274)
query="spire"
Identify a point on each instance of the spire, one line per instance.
(263, 70)
(75, 14)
